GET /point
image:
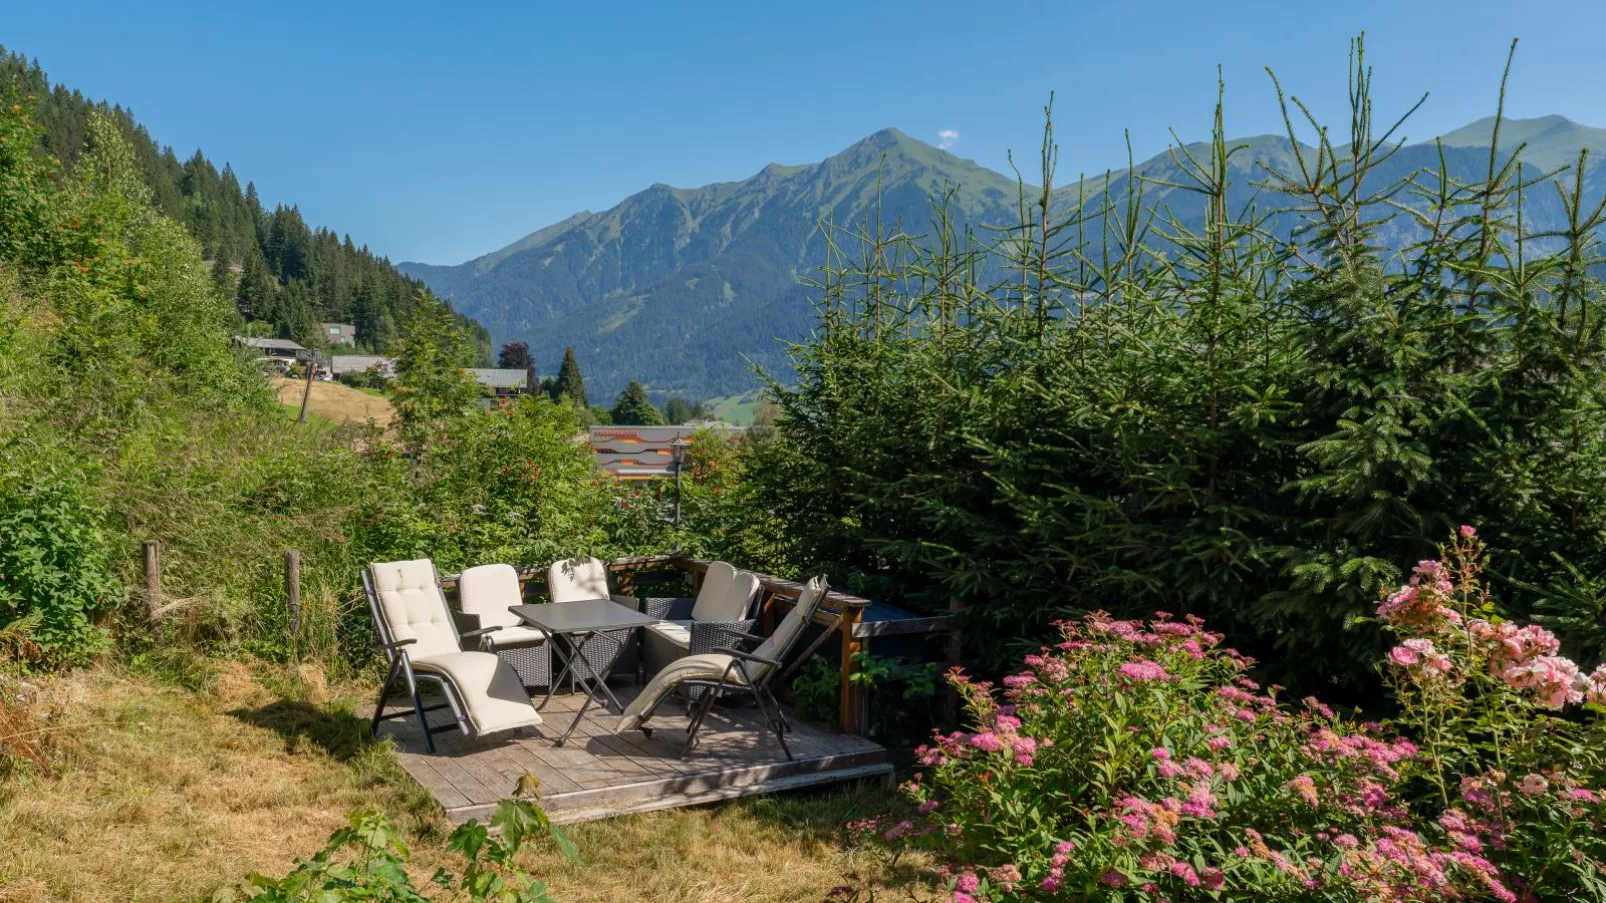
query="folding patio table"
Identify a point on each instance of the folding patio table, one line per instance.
(569, 625)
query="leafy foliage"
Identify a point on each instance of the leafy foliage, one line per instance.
(633, 408)
(55, 568)
(376, 868)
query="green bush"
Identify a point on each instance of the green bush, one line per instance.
(55, 566)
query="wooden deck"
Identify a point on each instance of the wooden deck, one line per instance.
(599, 773)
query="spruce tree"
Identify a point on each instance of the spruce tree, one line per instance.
(633, 408)
(570, 385)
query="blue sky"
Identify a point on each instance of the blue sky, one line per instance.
(437, 132)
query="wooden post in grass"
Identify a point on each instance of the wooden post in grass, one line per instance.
(153, 584)
(956, 654)
(306, 392)
(848, 714)
(292, 588)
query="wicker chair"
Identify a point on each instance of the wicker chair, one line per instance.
(573, 579)
(721, 613)
(486, 593)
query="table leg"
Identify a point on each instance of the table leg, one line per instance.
(588, 676)
(555, 679)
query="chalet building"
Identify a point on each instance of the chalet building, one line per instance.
(647, 452)
(279, 354)
(361, 363)
(501, 382)
(335, 334)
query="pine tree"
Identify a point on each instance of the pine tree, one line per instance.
(633, 408)
(570, 386)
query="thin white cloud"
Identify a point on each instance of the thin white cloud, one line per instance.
(947, 138)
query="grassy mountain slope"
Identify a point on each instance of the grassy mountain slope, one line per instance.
(686, 289)
(1548, 141)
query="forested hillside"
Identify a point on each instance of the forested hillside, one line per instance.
(286, 277)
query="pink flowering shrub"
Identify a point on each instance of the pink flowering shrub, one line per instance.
(1136, 761)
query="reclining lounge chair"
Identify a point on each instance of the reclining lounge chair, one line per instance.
(730, 671)
(421, 640)
(721, 613)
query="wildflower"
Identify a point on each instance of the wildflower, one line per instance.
(1306, 788)
(1162, 753)
(967, 883)
(1186, 873)
(986, 740)
(1217, 744)
(898, 830)
(1554, 679)
(1228, 771)
(927, 806)
(1533, 785)
(1143, 670)
(1112, 878)
(1468, 531)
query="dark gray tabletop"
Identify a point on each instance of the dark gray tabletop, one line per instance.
(581, 616)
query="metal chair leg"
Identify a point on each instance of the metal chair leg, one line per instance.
(697, 723)
(773, 717)
(384, 693)
(418, 707)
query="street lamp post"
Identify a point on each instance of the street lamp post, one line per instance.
(679, 452)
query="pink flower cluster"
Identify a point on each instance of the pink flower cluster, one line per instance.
(1419, 654)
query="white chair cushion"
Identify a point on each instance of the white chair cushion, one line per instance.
(708, 665)
(413, 606)
(711, 593)
(488, 591)
(713, 665)
(730, 601)
(574, 579)
(795, 621)
(509, 637)
(676, 632)
(491, 691)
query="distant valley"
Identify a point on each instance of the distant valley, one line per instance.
(686, 289)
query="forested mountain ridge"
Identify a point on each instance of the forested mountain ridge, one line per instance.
(686, 288)
(286, 277)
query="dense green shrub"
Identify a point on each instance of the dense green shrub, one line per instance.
(1210, 419)
(55, 565)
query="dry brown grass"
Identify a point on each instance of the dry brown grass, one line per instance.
(339, 403)
(167, 794)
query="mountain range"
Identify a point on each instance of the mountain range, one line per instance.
(687, 289)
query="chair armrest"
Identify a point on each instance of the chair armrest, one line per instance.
(627, 601)
(394, 644)
(480, 632)
(747, 656)
(707, 635)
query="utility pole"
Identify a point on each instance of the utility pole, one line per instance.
(306, 393)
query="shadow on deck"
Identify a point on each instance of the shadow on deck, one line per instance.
(599, 773)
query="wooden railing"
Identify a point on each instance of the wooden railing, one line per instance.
(841, 614)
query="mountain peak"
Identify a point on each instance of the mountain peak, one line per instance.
(1548, 141)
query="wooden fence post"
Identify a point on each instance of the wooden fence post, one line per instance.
(848, 715)
(956, 655)
(292, 588)
(306, 391)
(153, 584)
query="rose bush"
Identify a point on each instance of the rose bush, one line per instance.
(1137, 761)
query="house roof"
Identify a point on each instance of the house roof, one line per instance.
(360, 363)
(268, 344)
(500, 377)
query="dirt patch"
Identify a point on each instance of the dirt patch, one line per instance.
(337, 402)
